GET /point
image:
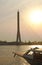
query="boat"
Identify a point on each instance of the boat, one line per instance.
(33, 59)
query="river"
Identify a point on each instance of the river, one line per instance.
(6, 56)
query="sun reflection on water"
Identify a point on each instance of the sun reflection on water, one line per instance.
(39, 46)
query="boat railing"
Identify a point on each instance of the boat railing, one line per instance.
(37, 57)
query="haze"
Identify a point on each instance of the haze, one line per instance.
(8, 20)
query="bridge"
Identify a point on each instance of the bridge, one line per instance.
(18, 38)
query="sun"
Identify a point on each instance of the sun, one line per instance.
(36, 16)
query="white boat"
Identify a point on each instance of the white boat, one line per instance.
(34, 59)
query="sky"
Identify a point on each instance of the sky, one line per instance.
(8, 20)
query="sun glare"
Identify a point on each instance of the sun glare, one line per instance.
(36, 16)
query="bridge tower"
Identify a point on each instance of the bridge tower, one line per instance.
(18, 39)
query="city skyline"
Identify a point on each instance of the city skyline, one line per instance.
(8, 20)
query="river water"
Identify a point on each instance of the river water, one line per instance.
(6, 56)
